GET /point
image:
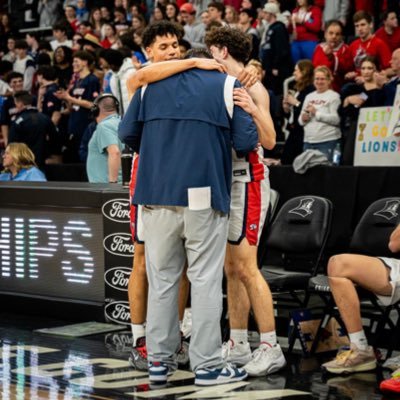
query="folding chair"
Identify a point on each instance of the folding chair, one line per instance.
(294, 247)
(371, 238)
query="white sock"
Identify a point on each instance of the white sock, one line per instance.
(239, 336)
(359, 339)
(138, 331)
(268, 337)
(180, 326)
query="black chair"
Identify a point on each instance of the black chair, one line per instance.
(294, 248)
(371, 238)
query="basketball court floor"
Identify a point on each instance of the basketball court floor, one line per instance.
(38, 366)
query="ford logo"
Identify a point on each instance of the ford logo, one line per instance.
(117, 210)
(118, 312)
(118, 278)
(119, 244)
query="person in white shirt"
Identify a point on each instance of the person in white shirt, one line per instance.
(24, 64)
(60, 36)
(319, 115)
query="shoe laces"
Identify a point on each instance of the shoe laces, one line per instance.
(344, 355)
(264, 348)
(227, 347)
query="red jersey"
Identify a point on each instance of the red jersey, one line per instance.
(393, 40)
(311, 24)
(339, 62)
(374, 47)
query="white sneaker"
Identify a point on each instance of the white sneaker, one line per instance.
(266, 360)
(238, 354)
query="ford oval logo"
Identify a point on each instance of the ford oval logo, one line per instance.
(119, 244)
(118, 312)
(117, 210)
(118, 278)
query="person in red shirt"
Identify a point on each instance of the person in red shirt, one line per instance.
(334, 54)
(367, 44)
(306, 24)
(390, 31)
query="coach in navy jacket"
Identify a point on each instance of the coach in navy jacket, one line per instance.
(184, 128)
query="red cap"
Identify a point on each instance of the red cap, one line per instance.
(187, 8)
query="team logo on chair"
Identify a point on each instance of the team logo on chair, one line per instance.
(304, 208)
(390, 210)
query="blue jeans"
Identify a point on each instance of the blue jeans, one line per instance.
(303, 50)
(324, 147)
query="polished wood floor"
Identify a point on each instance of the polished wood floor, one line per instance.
(35, 366)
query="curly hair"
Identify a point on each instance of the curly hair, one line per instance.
(238, 43)
(161, 28)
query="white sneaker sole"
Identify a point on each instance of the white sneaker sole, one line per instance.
(207, 382)
(274, 368)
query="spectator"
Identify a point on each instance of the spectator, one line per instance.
(275, 52)
(85, 27)
(390, 31)
(355, 96)
(172, 12)
(105, 13)
(216, 12)
(96, 21)
(80, 100)
(120, 21)
(390, 87)
(70, 15)
(336, 10)
(139, 22)
(292, 104)
(5, 68)
(158, 14)
(231, 16)
(60, 34)
(104, 152)
(284, 14)
(205, 18)
(6, 31)
(82, 13)
(366, 45)
(49, 12)
(306, 25)
(376, 274)
(63, 65)
(246, 20)
(32, 38)
(24, 64)
(194, 31)
(19, 164)
(76, 42)
(8, 111)
(319, 115)
(334, 54)
(10, 55)
(110, 36)
(32, 128)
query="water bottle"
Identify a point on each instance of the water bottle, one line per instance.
(337, 155)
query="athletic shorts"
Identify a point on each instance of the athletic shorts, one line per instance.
(249, 206)
(135, 214)
(394, 266)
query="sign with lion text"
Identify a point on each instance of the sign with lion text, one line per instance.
(375, 145)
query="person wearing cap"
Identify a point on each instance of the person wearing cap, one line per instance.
(275, 51)
(90, 43)
(194, 30)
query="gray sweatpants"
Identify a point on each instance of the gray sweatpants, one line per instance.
(173, 234)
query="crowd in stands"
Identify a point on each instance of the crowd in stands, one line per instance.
(342, 54)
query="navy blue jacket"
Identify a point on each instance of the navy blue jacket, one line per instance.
(184, 134)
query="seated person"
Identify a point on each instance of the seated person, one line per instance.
(377, 274)
(19, 164)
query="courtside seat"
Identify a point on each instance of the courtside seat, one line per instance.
(295, 245)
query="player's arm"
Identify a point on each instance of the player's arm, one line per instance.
(256, 103)
(162, 70)
(394, 241)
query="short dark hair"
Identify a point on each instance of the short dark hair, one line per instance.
(21, 44)
(13, 75)
(43, 59)
(219, 6)
(60, 26)
(24, 97)
(238, 43)
(198, 53)
(34, 35)
(49, 73)
(113, 57)
(360, 15)
(250, 13)
(386, 14)
(160, 28)
(185, 44)
(85, 56)
(5, 67)
(334, 22)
